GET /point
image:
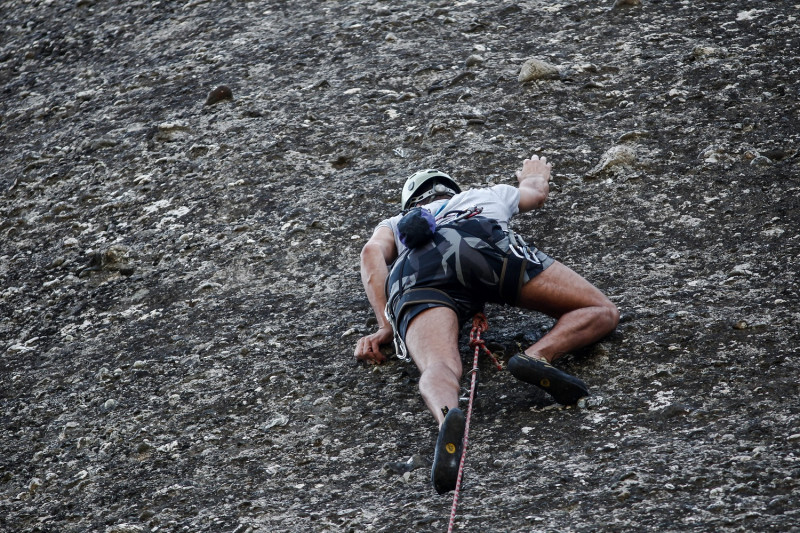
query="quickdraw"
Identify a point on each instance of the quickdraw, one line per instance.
(520, 248)
(458, 216)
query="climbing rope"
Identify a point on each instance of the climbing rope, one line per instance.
(479, 324)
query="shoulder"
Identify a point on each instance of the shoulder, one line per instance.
(382, 240)
(387, 230)
(390, 222)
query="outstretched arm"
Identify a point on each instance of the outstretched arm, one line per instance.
(376, 255)
(534, 183)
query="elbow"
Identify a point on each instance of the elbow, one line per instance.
(372, 254)
(367, 252)
(533, 195)
(379, 250)
(533, 202)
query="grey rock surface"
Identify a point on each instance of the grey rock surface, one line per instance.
(179, 287)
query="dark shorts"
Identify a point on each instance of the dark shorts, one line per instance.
(465, 266)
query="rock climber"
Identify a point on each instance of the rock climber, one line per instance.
(429, 269)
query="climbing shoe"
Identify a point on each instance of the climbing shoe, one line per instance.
(564, 389)
(449, 446)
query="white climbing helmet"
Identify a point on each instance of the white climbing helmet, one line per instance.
(442, 184)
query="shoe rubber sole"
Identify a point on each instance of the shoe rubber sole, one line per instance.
(447, 455)
(564, 388)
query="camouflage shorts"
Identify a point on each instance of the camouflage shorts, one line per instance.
(464, 266)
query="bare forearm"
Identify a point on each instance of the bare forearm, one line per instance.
(373, 276)
(538, 188)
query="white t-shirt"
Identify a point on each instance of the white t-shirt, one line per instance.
(500, 202)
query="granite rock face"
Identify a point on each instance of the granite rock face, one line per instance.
(179, 287)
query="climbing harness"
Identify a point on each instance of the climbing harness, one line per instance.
(421, 295)
(479, 324)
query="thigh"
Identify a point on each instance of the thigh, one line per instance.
(432, 338)
(558, 290)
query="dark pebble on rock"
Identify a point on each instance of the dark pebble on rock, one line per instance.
(223, 92)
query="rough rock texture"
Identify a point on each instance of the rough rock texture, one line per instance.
(179, 288)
